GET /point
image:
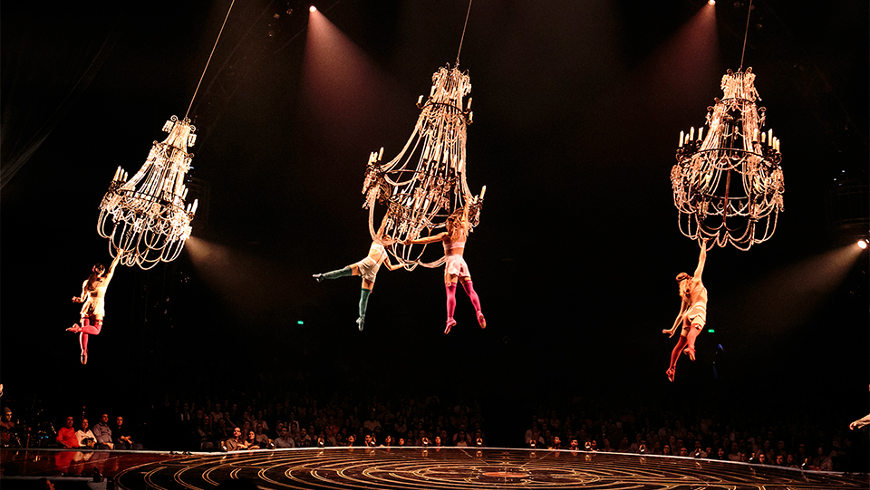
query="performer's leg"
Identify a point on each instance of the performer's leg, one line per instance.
(675, 356)
(693, 334)
(450, 288)
(363, 305)
(347, 271)
(475, 300)
(88, 329)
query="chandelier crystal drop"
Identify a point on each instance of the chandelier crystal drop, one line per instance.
(422, 185)
(728, 182)
(145, 217)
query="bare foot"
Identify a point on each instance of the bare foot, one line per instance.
(450, 323)
(671, 372)
(75, 328)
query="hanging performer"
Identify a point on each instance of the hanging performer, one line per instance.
(368, 269)
(455, 269)
(94, 307)
(693, 312)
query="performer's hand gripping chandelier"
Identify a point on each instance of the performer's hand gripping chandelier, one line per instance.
(145, 217)
(728, 183)
(426, 181)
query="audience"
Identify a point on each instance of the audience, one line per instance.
(342, 420)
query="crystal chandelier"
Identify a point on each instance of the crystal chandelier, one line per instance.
(426, 181)
(145, 217)
(728, 184)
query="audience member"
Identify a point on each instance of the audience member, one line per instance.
(66, 435)
(103, 433)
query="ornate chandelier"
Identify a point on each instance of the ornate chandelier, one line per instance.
(426, 181)
(145, 217)
(728, 185)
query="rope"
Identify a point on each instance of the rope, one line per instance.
(463, 32)
(745, 35)
(209, 58)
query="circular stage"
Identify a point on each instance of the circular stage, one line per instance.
(397, 468)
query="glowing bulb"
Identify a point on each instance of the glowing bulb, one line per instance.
(862, 243)
(312, 9)
(711, 2)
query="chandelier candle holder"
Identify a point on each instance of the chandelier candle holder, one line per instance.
(145, 217)
(728, 181)
(426, 181)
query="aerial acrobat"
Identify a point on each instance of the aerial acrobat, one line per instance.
(368, 269)
(693, 312)
(93, 309)
(455, 267)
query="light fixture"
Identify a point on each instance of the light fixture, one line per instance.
(426, 181)
(145, 217)
(728, 182)
(862, 243)
(312, 9)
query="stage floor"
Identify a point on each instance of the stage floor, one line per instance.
(397, 468)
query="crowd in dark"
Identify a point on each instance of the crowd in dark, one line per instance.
(303, 421)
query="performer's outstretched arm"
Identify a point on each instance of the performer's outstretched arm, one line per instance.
(114, 264)
(390, 265)
(860, 423)
(701, 259)
(427, 240)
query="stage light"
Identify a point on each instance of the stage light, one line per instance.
(711, 2)
(300, 322)
(312, 9)
(862, 243)
(710, 330)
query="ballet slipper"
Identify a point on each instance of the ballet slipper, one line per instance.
(84, 358)
(450, 323)
(75, 328)
(360, 322)
(671, 372)
(481, 320)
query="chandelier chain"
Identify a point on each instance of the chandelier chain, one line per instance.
(461, 39)
(745, 35)
(209, 58)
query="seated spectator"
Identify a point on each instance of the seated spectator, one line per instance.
(235, 443)
(66, 435)
(261, 438)
(250, 441)
(103, 433)
(7, 428)
(284, 439)
(84, 436)
(123, 439)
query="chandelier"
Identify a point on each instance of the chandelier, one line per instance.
(426, 181)
(145, 217)
(728, 184)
